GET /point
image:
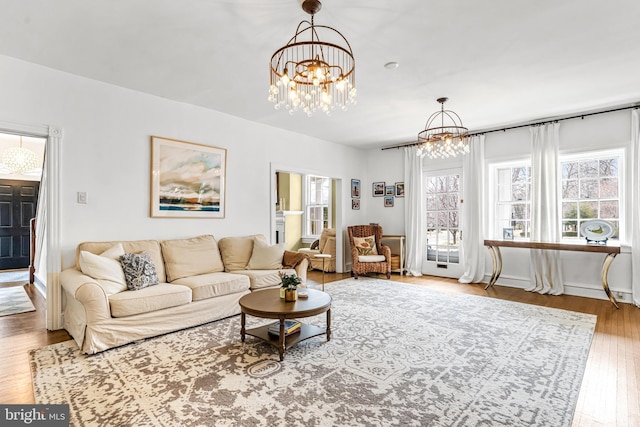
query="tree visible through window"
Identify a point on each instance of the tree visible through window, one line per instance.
(590, 190)
(443, 228)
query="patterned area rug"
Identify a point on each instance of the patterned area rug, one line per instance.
(400, 354)
(14, 300)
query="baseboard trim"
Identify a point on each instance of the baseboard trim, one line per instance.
(40, 286)
(573, 289)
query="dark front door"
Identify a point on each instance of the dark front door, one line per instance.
(18, 200)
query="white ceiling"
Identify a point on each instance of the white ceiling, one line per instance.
(500, 62)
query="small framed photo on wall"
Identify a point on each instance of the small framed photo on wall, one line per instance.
(355, 188)
(378, 189)
(388, 202)
(389, 190)
(507, 233)
(399, 189)
(355, 204)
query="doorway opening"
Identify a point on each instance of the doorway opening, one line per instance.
(303, 202)
(21, 164)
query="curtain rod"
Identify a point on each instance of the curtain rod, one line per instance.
(544, 122)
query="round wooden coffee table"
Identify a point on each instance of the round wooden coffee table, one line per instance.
(268, 304)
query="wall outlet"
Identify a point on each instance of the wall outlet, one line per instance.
(82, 197)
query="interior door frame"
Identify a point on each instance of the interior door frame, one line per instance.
(53, 261)
(276, 167)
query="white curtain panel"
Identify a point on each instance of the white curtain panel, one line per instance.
(472, 210)
(546, 271)
(635, 206)
(414, 212)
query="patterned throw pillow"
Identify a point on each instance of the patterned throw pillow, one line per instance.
(366, 245)
(139, 271)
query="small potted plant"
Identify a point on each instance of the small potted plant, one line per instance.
(289, 283)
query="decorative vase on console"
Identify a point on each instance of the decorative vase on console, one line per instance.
(289, 286)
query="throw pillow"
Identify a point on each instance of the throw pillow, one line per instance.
(139, 270)
(266, 257)
(366, 245)
(191, 257)
(236, 251)
(105, 268)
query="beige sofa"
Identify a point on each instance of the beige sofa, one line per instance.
(199, 280)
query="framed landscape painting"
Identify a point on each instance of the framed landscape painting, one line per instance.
(187, 179)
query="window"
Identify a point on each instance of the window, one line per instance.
(443, 215)
(513, 200)
(590, 190)
(317, 204)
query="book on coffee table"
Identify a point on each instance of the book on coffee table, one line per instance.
(290, 327)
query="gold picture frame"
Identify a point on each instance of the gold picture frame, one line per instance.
(187, 179)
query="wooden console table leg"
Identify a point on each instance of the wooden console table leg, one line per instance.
(496, 257)
(281, 342)
(605, 284)
(243, 321)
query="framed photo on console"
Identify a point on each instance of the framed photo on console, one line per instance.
(507, 233)
(187, 179)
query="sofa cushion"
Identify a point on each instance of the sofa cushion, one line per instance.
(265, 256)
(152, 247)
(163, 295)
(105, 269)
(365, 245)
(139, 271)
(260, 279)
(214, 284)
(191, 257)
(236, 251)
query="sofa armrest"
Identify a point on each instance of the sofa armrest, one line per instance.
(301, 270)
(87, 292)
(386, 251)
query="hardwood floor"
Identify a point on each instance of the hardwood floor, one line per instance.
(609, 395)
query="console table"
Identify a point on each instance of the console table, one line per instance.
(610, 250)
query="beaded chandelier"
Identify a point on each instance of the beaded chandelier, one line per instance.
(443, 136)
(312, 75)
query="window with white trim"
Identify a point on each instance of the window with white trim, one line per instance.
(317, 204)
(591, 188)
(512, 199)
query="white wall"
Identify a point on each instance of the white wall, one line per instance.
(106, 153)
(581, 270)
